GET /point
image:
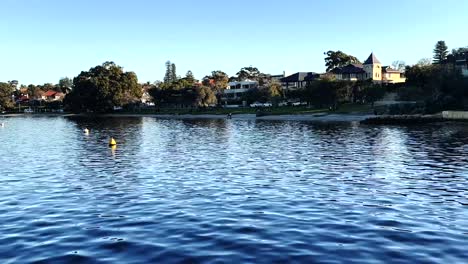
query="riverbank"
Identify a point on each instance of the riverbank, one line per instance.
(404, 119)
(321, 117)
(325, 116)
(445, 116)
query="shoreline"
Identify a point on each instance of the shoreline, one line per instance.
(324, 117)
(320, 117)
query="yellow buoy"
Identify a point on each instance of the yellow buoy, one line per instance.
(86, 131)
(112, 142)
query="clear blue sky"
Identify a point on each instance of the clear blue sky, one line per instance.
(43, 40)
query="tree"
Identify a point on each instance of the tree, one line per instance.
(218, 80)
(190, 78)
(274, 91)
(372, 93)
(173, 73)
(13, 83)
(65, 84)
(254, 95)
(103, 87)
(441, 87)
(321, 93)
(338, 58)
(424, 62)
(205, 97)
(440, 52)
(6, 91)
(34, 91)
(399, 65)
(47, 86)
(459, 53)
(250, 73)
(168, 74)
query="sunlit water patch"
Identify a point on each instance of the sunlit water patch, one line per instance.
(235, 191)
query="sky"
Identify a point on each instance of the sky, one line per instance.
(45, 40)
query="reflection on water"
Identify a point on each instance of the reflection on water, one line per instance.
(231, 191)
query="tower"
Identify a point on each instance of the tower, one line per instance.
(373, 68)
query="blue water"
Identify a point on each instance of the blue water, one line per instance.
(231, 191)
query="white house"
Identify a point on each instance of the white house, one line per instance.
(462, 64)
(236, 90)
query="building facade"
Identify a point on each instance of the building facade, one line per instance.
(371, 69)
(298, 80)
(236, 90)
(462, 63)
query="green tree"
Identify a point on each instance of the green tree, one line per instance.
(440, 52)
(338, 58)
(65, 84)
(103, 87)
(456, 54)
(423, 75)
(250, 73)
(321, 93)
(173, 73)
(168, 75)
(372, 93)
(47, 86)
(441, 87)
(6, 92)
(218, 80)
(190, 78)
(34, 91)
(205, 97)
(254, 95)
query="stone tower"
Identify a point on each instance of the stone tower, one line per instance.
(373, 68)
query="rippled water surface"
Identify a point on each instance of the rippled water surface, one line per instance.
(231, 191)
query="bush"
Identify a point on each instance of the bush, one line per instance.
(411, 93)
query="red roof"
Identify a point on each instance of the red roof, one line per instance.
(50, 93)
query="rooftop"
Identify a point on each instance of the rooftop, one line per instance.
(50, 93)
(301, 76)
(348, 69)
(372, 59)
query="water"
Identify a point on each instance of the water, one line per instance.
(231, 191)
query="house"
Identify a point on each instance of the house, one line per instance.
(350, 72)
(278, 77)
(390, 75)
(24, 99)
(298, 80)
(51, 95)
(236, 90)
(145, 95)
(461, 63)
(371, 69)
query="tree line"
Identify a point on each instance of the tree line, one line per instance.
(437, 82)
(103, 87)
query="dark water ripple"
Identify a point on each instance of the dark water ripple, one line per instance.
(230, 191)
